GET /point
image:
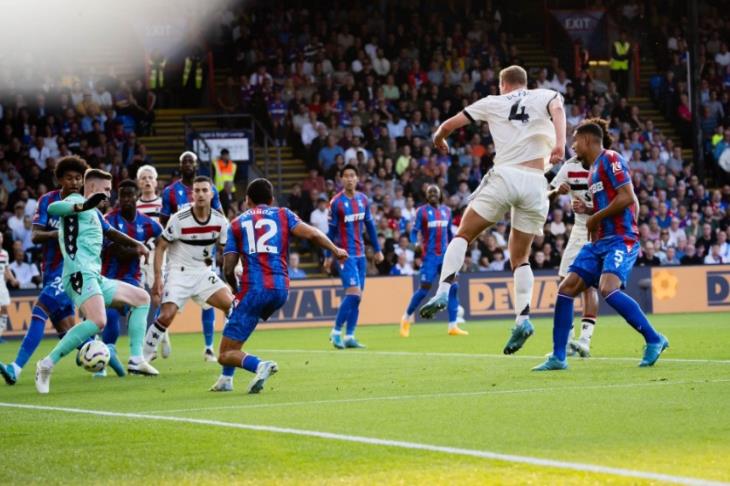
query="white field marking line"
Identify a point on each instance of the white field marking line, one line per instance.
(496, 456)
(442, 395)
(479, 355)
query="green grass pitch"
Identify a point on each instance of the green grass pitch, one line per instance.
(430, 389)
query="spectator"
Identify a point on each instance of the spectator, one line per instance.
(691, 257)
(670, 257)
(295, 273)
(24, 234)
(715, 256)
(402, 267)
(319, 218)
(26, 274)
(648, 258)
(15, 222)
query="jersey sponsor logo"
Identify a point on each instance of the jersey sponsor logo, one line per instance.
(438, 224)
(351, 218)
(597, 187)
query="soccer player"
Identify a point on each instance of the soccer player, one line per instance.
(52, 303)
(4, 294)
(259, 239)
(82, 231)
(433, 223)
(121, 262)
(191, 236)
(528, 127)
(349, 211)
(178, 196)
(607, 261)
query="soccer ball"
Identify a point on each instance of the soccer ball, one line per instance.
(94, 356)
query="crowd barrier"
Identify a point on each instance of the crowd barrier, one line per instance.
(484, 295)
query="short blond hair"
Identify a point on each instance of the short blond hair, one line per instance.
(147, 168)
(513, 76)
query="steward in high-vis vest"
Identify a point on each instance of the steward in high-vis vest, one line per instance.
(620, 59)
(225, 171)
(192, 79)
(157, 62)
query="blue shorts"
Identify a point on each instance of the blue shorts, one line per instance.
(254, 306)
(352, 272)
(608, 255)
(431, 268)
(57, 303)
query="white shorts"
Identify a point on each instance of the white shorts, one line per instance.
(4, 295)
(521, 190)
(180, 286)
(576, 241)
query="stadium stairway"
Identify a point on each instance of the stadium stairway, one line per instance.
(533, 53)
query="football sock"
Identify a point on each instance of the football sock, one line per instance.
(344, 311)
(524, 279)
(353, 316)
(114, 362)
(632, 313)
(135, 327)
(110, 333)
(453, 306)
(416, 299)
(562, 323)
(152, 338)
(33, 336)
(453, 261)
(228, 371)
(250, 363)
(586, 329)
(208, 317)
(74, 338)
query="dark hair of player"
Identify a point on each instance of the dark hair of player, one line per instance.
(260, 191)
(97, 174)
(513, 75)
(203, 179)
(70, 163)
(607, 141)
(348, 167)
(128, 184)
(590, 129)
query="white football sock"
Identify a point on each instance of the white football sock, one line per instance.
(152, 339)
(524, 279)
(453, 261)
(453, 325)
(586, 331)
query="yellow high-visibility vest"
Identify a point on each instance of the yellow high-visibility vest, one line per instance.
(224, 172)
(157, 73)
(198, 72)
(621, 50)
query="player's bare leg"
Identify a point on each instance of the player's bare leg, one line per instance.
(223, 300)
(519, 254)
(139, 301)
(470, 227)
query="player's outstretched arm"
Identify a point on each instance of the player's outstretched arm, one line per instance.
(446, 128)
(624, 198)
(307, 232)
(557, 112)
(76, 204)
(39, 235)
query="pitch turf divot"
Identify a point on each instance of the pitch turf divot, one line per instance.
(478, 355)
(560, 389)
(496, 456)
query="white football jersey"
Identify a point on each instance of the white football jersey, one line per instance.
(150, 207)
(192, 242)
(4, 262)
(573, 173)
(519, 122)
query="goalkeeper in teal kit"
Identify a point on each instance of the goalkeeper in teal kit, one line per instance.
(81, 236)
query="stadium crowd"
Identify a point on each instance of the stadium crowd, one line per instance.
(360, 93)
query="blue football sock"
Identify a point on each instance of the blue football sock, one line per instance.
(250, 363)
(208, 316)
(228, 371)
(354, 315)
(343, 312)
(562, 323)
(418, 296)
(110, 333)
(632, 313)
(33, 336)
(114, 362)
(453, 306)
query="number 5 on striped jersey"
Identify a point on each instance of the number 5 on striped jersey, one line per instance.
(260, 246)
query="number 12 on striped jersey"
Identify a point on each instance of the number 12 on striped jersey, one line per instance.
(260, 245)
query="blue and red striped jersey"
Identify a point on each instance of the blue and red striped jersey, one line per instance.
(347, 217)
(178, 196)
(260, 236)
(610, 171)
(52, 262)
(434, 224)
(141, 229)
